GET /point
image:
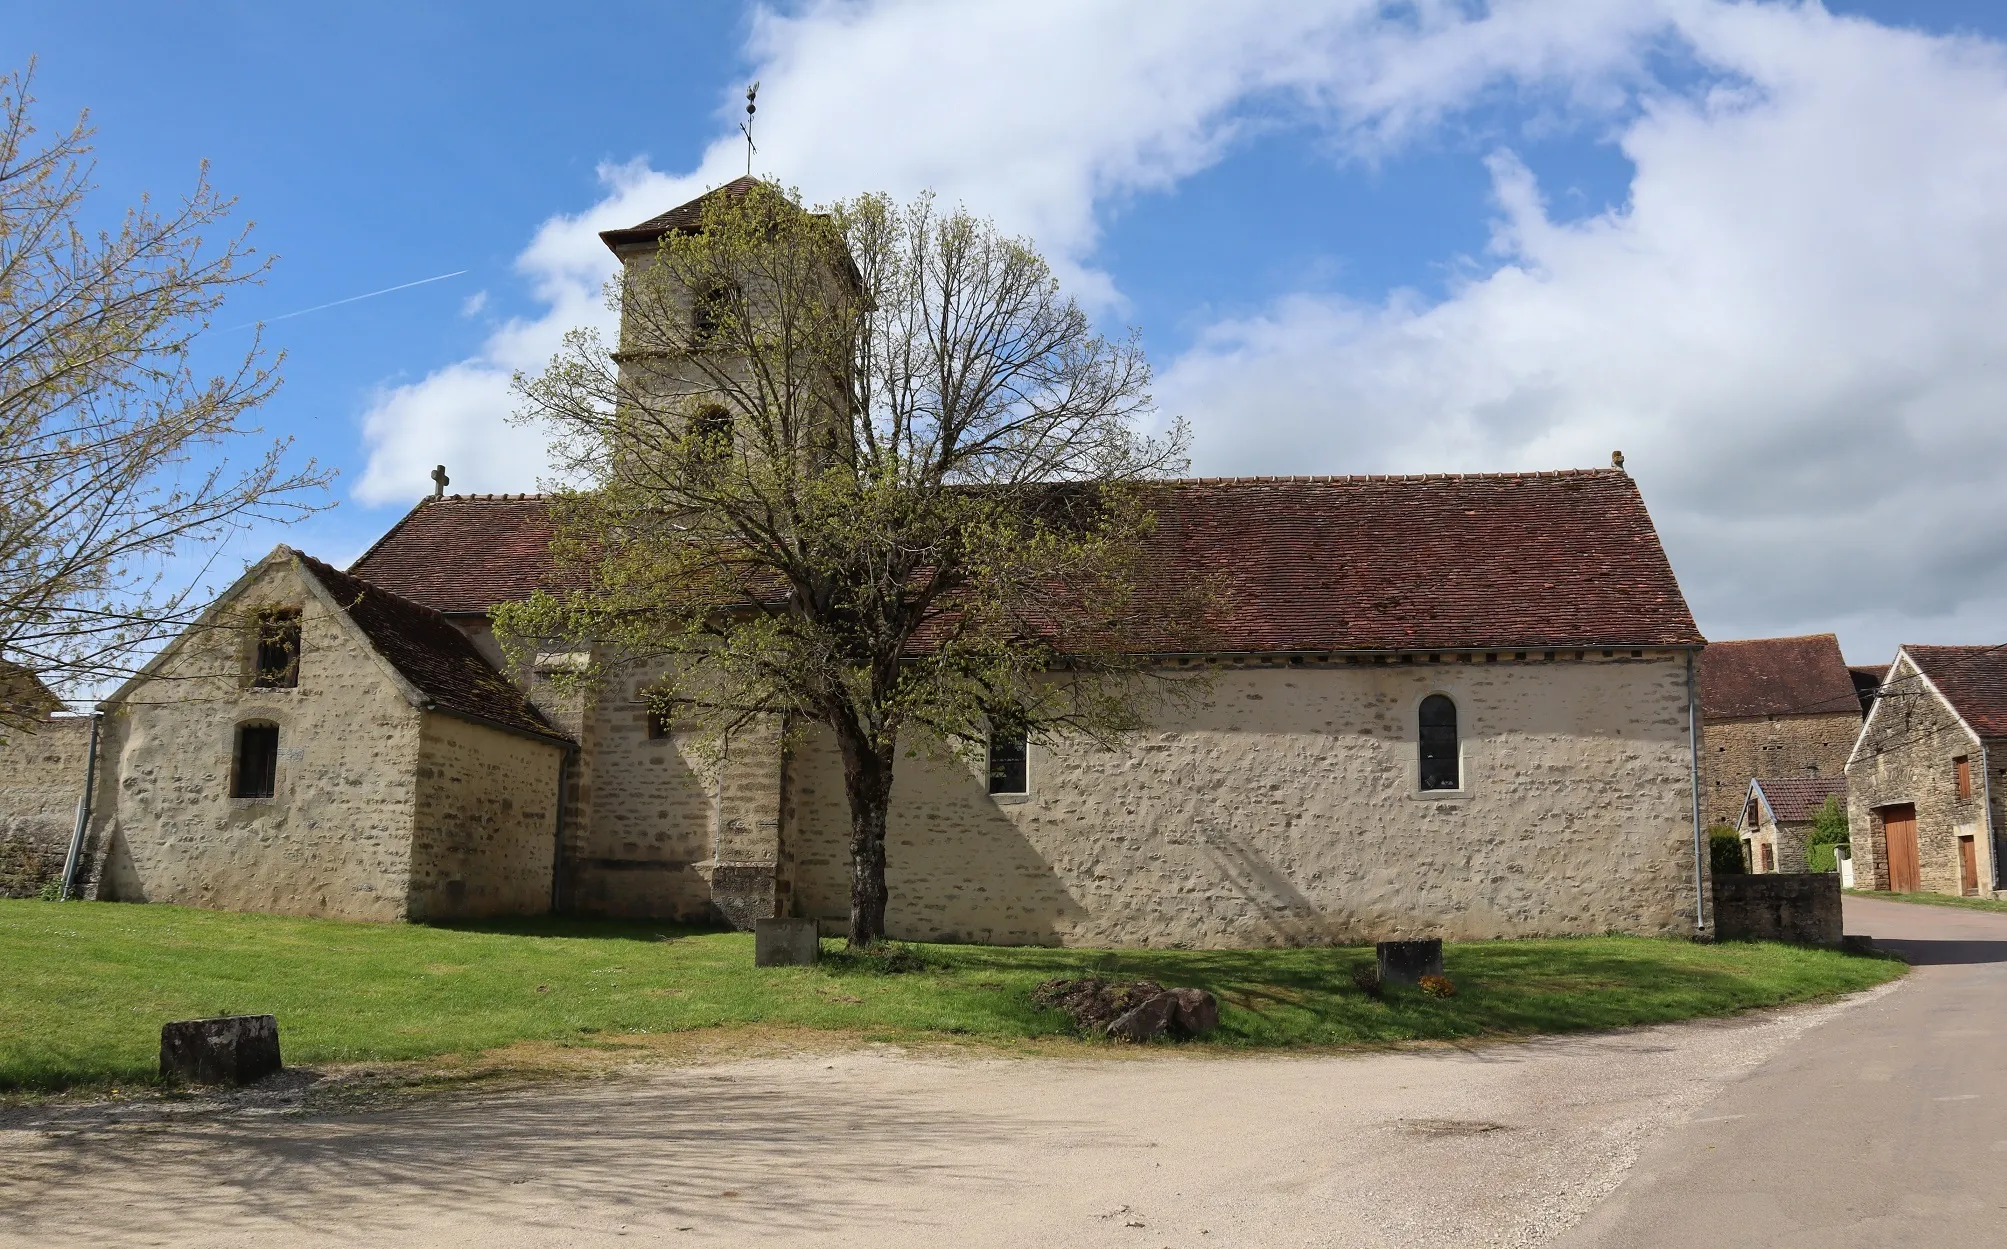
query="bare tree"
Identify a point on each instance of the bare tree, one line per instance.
(115, 486)
(863, 468)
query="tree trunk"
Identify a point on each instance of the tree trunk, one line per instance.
(867, 780)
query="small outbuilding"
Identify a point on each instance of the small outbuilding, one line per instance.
(1776, 822)
(316, 745)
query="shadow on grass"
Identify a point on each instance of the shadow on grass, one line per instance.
(581, 927)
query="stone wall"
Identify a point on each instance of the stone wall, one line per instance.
(1799, 907)
(485, 823)
(41, 781)
(1735, 752)
(1286, 811)
(1905, 756)
(336, 838)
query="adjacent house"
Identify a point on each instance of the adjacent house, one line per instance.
(1925, 778)
(1776, 821)
(1772, 707)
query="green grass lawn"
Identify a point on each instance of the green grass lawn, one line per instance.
(1933, 899)
(84, 987)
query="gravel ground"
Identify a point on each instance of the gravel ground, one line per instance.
(1492, 1145)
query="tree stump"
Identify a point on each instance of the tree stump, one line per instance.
(1406, 962)
(235, 1049)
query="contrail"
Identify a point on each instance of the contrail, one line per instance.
(351, 299)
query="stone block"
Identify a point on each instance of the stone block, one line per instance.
(1857, 943)
(1406, 962)
(235, 1049)
(784, 942)
(1799, 907)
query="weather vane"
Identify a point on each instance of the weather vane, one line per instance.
(746, 126)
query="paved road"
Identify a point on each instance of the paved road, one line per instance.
(1886, 1126)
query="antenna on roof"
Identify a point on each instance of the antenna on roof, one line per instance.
(746, 126)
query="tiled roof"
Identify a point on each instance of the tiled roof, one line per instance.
(1793, 799)
(1973, 678)
(682, 217)
(464, 553)
(1775, 677)
(1528, 560)
(430, 653)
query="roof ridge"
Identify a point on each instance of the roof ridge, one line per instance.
(1789, 637)
(1541, 474)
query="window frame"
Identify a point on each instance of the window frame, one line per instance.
(286, 625)
(1961, 772)
(1023, 736)
(241, 776)
(1456, 758)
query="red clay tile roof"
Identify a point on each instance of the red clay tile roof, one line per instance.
(464, 553)
(1527, 560)
(682, 217)
(431, 654)
(1973, 678)
(1775, 677)
(1792, 799)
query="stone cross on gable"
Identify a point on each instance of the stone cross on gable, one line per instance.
(439, 481)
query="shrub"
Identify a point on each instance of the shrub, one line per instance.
(1724, 851)
(1829, 829)
(52, 891)
(1437, 986)
(1367, 980)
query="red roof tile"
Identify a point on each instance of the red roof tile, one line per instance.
(1775, 677)
(1792, 799)
(682, 217)
(430, 653)
(464, 553)
(1526, 560)
(1973, 678)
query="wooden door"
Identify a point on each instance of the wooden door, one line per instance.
(1899, 835)
(1968, 867)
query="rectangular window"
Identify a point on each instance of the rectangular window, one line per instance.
(278, 660)
(658, 725)
(1769, 857)
(1961, 767)
(1009, 753)
(257, 770)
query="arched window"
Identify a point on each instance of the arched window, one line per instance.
(256, 770)
(1440, 765)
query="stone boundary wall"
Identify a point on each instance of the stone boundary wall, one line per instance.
(41, 781)
(1799, 907)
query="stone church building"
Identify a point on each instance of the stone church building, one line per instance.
(1455, 705)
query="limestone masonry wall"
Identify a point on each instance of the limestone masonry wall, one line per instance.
(639, 843)
(1286, 810)
(1734, 752)
(41, 779)
(1906, 756)
(1798, 907)
(486, 820)
(336, 838)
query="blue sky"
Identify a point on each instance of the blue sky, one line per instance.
(1284, 202)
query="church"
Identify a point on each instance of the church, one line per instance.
(1456, 705)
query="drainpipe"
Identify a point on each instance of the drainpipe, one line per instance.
(1693, 768)
(1986, 797)
(76, 854)
(557, 836)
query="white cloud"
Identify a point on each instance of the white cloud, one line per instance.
(472, 305)
(1790, 327)
(1031, 111)
(1793, 329)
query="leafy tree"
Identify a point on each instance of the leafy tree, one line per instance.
(863, 468)
(1829, 829)
(111, 447)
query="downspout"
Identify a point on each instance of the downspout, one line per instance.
(1986, 795)
(76, 854)
(1693, 769)
(557, 836)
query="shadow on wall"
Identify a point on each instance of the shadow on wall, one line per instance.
(959, 869)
